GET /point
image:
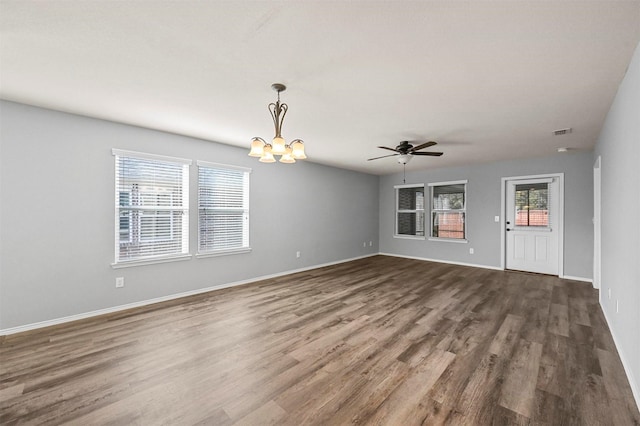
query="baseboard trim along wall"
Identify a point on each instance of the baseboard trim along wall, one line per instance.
(570, 277)
(474, 265)
(57, 321)
(28, 327)
(635, 386)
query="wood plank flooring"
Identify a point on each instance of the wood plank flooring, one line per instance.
(382, 340)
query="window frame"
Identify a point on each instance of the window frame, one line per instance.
(245, 210)
(397, 189)
(463, 211)
(182, 249)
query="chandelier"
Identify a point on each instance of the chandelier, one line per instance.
(289, 152)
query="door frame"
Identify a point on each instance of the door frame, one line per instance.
(503, 215)
(597, 223)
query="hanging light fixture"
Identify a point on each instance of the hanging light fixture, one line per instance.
(404, 158)
(289, 152)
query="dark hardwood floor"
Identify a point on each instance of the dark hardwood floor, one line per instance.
(380, 340)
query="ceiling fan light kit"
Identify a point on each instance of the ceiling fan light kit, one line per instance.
(288, 153)
(404, 158)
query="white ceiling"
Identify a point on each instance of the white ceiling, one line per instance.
(487, 80)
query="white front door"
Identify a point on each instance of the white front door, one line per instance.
(532, 219)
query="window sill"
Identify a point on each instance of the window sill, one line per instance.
(223, 252)
(449, 240)
(132, 263)
(409, 237)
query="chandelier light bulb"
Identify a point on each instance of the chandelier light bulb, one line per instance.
(257, 147)
(297, 148)
(278, 146)
(267, 156)
(287, 158)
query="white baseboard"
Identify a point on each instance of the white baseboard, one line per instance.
(56, 321)
(635, 388)
(497, 268)
(451, 262)
(570, 277)
(33, 326)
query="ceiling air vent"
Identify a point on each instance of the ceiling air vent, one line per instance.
(561, 132)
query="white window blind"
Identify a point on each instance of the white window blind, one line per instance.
(152, 207)
(223, 208)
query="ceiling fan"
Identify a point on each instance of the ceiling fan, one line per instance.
(406, 150)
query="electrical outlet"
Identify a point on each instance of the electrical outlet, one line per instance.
(470, 251)
(609, 293)
(370, 243)
(297, 254)
(496, 218)
(617, 307)
(119, 282)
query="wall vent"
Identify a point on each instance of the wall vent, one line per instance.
(561, 132)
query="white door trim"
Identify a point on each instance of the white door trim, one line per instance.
(503, 210)
(597, 223)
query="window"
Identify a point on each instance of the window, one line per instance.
(410, 211)
(223, 209)
(152, 207)
(448, 210)
(532, 202)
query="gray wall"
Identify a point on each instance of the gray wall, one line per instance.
(57, 216)
(619, 148)
(483, 203)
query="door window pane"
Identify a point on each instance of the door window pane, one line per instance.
(532, 204)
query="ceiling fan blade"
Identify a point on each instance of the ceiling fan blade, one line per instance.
(422, 146)
(432, 154)
(384, 156)
(390, 149)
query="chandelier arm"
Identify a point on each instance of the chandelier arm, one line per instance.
(278, 111)
(273, 110)
(282, 112)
